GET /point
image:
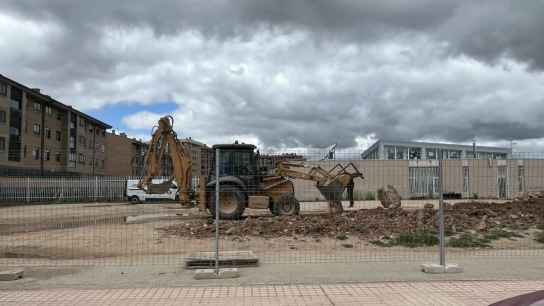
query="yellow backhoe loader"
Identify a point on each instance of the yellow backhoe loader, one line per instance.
(242, 183)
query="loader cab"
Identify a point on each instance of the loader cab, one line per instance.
(237, 160)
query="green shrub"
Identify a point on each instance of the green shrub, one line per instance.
(468, 240)
(410, 239)
(539, 237)
(495, 234)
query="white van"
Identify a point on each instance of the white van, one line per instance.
(138, 195)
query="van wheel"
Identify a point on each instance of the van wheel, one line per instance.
(135, 200)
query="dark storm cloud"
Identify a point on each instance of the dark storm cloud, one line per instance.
(484, 29)
(298, 73)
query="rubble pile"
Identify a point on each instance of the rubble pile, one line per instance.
(374, 223)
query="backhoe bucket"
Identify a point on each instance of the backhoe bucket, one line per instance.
(332, 192)
(159, 188)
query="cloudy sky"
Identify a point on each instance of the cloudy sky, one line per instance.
(290, 73)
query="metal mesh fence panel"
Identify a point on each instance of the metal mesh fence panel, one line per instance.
(305, 214)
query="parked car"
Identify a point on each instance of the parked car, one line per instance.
(138, 195)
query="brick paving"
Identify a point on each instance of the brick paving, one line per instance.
(391, 293)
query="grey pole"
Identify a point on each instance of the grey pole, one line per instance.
(217, 173)
(441, 214)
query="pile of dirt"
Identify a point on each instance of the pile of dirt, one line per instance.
(373, 223)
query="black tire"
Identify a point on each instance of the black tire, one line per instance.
(232, 202)
(134, 200)
(286, 205)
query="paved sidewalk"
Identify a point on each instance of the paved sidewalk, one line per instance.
(390, 293)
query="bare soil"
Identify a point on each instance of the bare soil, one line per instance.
(310, 237)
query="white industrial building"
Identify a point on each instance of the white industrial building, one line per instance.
(412, 150)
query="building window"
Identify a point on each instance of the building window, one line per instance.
(499, 155)
(3, 89)
(102, 148)
(47, 133)
(2, 144)
(103, 133)
(24, 151)
(423, 181)
(82, 141)
(390, 152)
(35, 153)
(81, 122)
(36, 128)
(81, 158)
(484, 155)
(2, 117)
(49, 110)
(466, 180)
(454, 154)
(59, 115)
(72, 156)
(72, 142)
(37, 107)
(430, 153)
(521, 178)
(502, 182)
(402, 152)
(415, 153)
(16, 94)
(47, 155)
(57, 156)
(58, 135)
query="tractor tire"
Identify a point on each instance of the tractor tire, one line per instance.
(232, 202)
(286, 205)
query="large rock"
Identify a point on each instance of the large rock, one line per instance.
(389, 197)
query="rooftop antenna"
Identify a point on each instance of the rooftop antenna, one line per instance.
(474, 148)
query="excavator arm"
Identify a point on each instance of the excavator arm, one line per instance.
(164, 141)
(331, 183)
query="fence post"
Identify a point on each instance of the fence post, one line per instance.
(217, 173)
(95, 188)
(28, 189)
(441, 267)
(441, 214)
(62, 182)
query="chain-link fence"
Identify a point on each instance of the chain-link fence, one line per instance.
(284, 207)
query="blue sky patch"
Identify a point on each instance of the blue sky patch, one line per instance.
(114, 113)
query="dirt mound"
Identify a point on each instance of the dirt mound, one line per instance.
(373, 223)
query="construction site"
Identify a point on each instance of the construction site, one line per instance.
(282, 212)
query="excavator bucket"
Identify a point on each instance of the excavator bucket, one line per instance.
(333, 191)
(159, 188)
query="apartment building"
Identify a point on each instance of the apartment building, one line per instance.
(42, 136)
(124, 155)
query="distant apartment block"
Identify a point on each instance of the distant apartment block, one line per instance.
(40, 135)
(124, 156)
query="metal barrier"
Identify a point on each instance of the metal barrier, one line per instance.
(475, 208)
